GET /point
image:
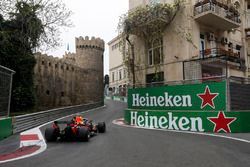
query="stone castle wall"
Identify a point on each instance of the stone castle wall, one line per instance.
(77, 78)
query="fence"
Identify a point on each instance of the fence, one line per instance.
(237, 89)
(5, 90)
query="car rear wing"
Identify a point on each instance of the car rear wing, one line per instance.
(62, 122)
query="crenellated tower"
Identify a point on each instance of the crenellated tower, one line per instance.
(89, 56)
(89, 53)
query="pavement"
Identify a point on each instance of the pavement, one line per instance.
(9, 144)
(31, 142)
(28, 143)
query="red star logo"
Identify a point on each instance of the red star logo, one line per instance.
(207, 98)
(221, 122)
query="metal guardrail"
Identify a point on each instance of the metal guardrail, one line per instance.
(24, 122)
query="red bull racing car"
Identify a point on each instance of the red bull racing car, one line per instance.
(78, 129)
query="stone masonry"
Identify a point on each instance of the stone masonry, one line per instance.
(77, 78)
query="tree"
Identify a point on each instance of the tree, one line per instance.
(24, 28)
(19, 35)
(53, 15)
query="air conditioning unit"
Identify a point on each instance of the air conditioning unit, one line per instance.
(211, 37)
(224, 40)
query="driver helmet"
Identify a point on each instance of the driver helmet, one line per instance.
(79, 119)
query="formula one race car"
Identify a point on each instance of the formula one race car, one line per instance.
(78, 129)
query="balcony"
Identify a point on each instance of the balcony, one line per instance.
(247, 26)
(217, 15)
(221, 56)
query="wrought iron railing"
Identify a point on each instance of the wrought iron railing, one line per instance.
(217, 52)
(223, 10)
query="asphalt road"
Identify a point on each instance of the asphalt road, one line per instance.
(129, 147)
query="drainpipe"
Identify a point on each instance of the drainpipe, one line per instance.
(133, 60)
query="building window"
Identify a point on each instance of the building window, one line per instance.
(62, 94)
(155, 79)
(47, 92)
(155, 52)
(124, 73)
(120, 74)
(238, 48)
(117, 45)
(56, 65)
(113, 76)
(248, 60)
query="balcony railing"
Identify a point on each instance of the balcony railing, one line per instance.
(219, 52)
(220, 56)
(216, 14)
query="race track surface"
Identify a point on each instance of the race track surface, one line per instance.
(130, 147)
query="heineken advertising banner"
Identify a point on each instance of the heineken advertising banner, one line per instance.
(218, 122)
(195, 97)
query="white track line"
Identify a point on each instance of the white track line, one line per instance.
(188, 132)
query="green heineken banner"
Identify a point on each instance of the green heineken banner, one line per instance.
(225, 122)
(206, 97)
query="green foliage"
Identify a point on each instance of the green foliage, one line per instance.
(145, 21)
(52, 15)
(31, 26)
(18, 36)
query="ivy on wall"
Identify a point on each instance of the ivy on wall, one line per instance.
(146, 22)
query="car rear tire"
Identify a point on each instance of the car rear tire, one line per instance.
(83, 134)
(51, 134)
(101, 127)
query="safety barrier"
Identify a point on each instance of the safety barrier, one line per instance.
(201, 107)
(24, 122)
(196, 121)
(5, 127)
(117, 98)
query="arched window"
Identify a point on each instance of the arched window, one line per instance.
(155, 52)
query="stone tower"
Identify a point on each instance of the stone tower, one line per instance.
(89, 56)
(89, 53)
(77, 78)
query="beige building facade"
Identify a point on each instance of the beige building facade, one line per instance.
(205, 39)
(118, 73)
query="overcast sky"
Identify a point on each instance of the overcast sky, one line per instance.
(97, 18)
